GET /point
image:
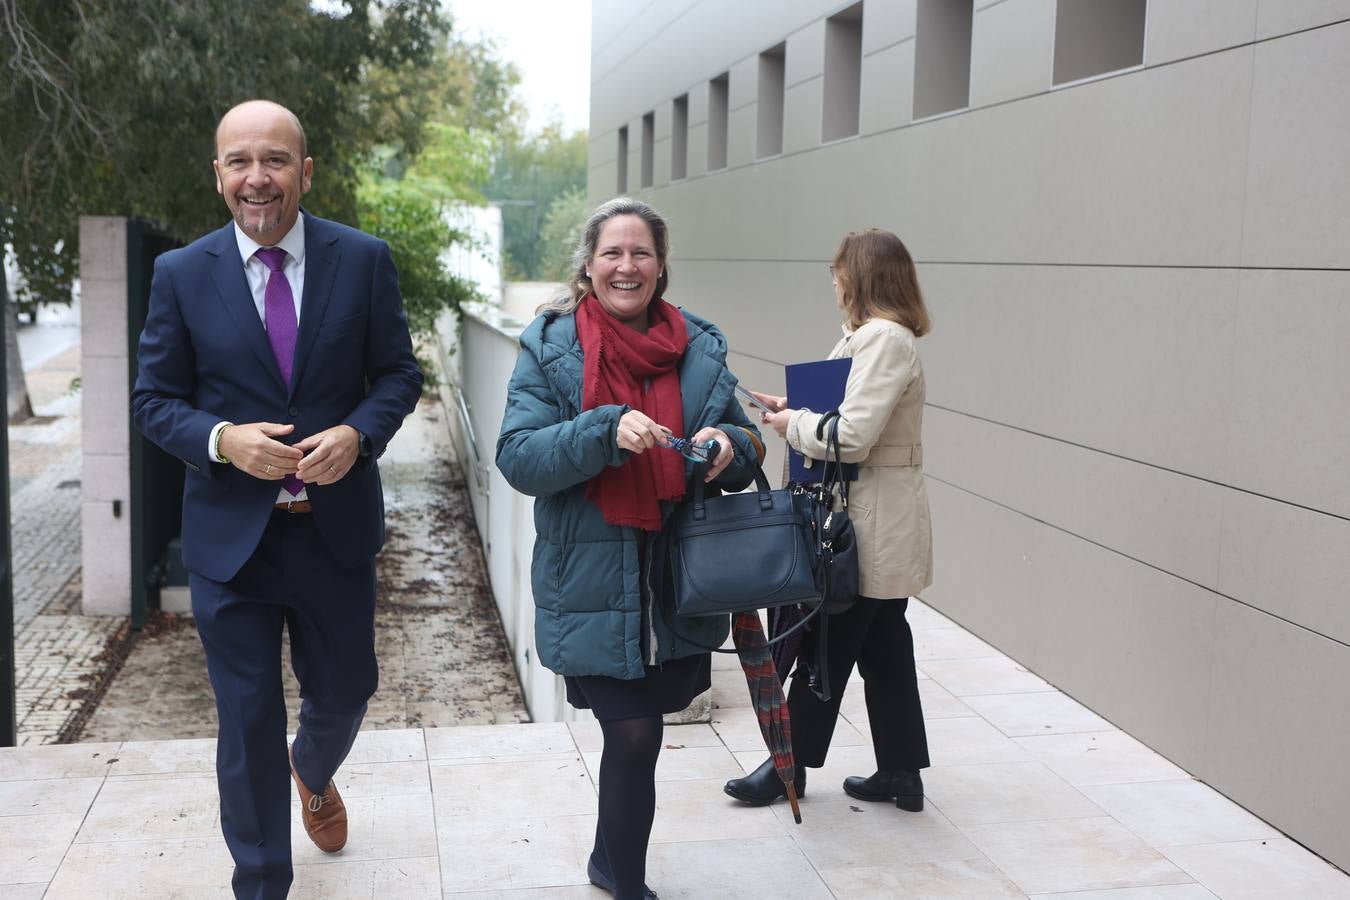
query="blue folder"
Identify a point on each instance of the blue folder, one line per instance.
(819, 387)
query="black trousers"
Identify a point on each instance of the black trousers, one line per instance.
(874, 635)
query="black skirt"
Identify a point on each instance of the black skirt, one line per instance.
(668, 688)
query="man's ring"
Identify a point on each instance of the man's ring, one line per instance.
(267, 469)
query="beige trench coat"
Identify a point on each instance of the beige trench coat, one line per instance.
(880, 422)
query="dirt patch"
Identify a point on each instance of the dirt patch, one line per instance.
(443, 655)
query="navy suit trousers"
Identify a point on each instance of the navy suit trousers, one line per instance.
(293, 581)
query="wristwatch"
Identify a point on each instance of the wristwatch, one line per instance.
(362, 444)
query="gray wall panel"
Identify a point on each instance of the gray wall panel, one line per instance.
(803, 105)
(887, 87)
(741, 135)
(1132, 361)
(1279, 729)
(806, 53)
(744, 81)
(987, 571)
(887, 23)
(661, 161)
(1289, 561)
(1298, 189)
(1012, 46)
(1154, 516)
(1276, 17)
(1291, 388)
(1131, 643)
(603, 150)
(1137, 432)
(698, 150)
(601, 181)
(783, 313)
(1171, 195)
(1180, 28)
(698, 104)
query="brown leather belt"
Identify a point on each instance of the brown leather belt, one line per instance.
(293, 506)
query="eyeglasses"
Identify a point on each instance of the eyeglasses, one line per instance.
(697, 453)
(834, 279)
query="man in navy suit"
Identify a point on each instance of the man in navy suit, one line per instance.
(276, 364)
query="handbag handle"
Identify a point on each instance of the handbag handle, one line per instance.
(761, 485)
(837, 480)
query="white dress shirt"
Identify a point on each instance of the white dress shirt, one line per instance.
(257, 273)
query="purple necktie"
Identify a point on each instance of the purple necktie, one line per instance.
(279, 314)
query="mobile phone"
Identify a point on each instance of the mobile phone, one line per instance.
(752, 399)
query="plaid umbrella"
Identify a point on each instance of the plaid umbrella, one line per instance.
(786, 651)
(766, 692)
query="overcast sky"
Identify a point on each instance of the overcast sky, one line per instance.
(550, 43)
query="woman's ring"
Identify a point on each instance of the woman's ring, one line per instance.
(267, 469)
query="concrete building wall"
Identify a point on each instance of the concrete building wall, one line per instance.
(1138, 422)
(105, 422)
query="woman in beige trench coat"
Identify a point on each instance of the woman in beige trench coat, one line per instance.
(880, 420)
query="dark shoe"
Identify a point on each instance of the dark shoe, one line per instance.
(325, 815)
(905, 788)
(605, 883)
(763, 786)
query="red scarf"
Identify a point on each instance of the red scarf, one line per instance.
(616, 361)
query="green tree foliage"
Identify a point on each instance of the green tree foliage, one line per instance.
(414, 225)
(109, 106)
(528, 174)
(561, 232)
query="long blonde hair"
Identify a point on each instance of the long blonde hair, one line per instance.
(878, 279)
(580, 284)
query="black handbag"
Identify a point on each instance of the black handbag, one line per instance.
(836, 563)
(740, 552)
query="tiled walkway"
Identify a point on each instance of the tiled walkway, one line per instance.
(59, 654)
(1031, 794)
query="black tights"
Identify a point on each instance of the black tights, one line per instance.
(627, 801)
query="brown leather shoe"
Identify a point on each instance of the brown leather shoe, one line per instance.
(325, 815)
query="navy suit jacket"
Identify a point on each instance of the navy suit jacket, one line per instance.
(204, 357)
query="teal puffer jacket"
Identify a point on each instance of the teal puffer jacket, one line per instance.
(592, 616)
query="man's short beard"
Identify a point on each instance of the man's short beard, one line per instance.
(258, 226)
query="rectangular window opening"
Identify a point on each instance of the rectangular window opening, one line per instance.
(648, 148)
(843, 73)
(772, 74)
(621, 183)
(942, 56)
(717, 121)
(679, 138)
(1093, 37)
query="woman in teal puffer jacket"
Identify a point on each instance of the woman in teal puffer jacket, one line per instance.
(607, 376)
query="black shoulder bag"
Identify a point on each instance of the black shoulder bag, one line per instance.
(836, 562)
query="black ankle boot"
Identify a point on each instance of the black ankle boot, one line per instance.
(601, 879)
(905, 788)
(763, 786)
